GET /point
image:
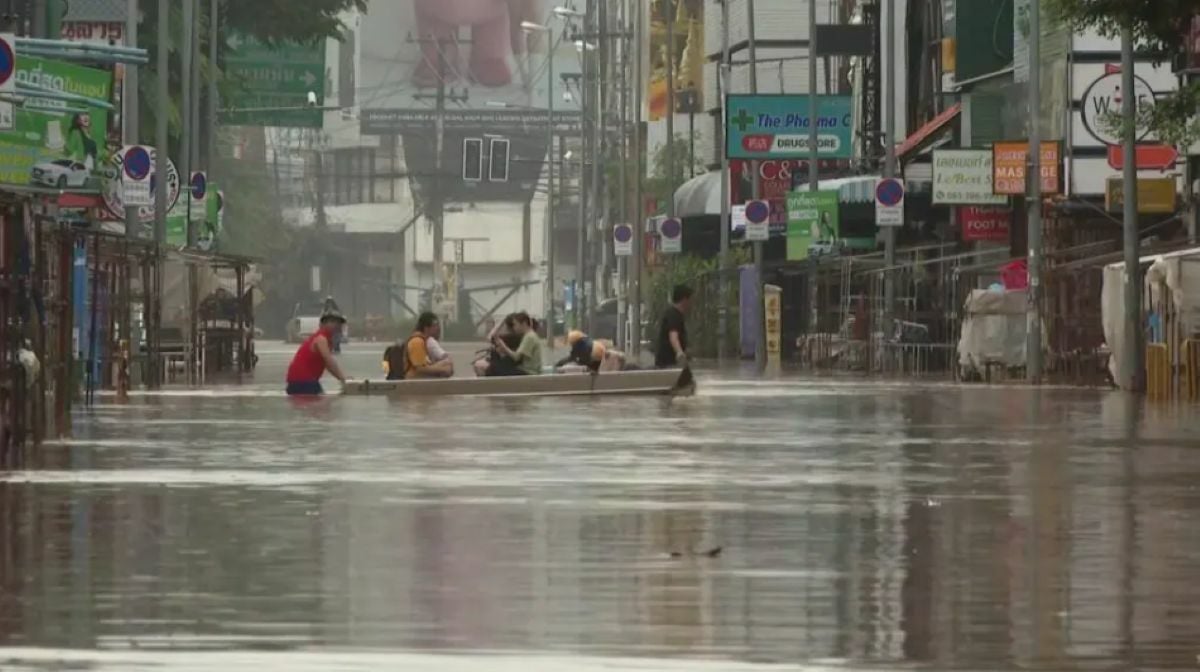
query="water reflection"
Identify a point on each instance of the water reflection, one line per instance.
(862, 527)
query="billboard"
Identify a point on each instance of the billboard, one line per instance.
(813, 227)
(687, 57)
(776, 126)
(473, 51)
(54, 144)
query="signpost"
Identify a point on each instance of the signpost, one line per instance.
(8, 63)
(758, 221)
(623, 240)
(889, 202)
(198, 194)
(115, 190)
(136, 177)
(671, 231)
(275, 83)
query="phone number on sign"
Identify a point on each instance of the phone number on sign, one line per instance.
(99, 31)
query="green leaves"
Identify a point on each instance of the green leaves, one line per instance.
(1160, 27)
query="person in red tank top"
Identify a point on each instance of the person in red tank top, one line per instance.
(315, 356)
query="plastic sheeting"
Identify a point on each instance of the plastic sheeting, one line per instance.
(1173, 277)
(993, 330)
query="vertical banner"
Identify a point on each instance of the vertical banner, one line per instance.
(687, 58)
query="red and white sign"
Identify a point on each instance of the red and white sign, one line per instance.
(1146, 157)
(984, 223)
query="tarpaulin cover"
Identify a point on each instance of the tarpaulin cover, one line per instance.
(993, 329)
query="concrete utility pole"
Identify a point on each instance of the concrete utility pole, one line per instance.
(723, 259)
(214, 20)
(162, 140)
(623, 175)
(1133, 351)
(889, 162)
(185, 152)
(552, 156)
(436, 209)
(1033, 180)
(600, 201)
(760, 347)
(639, 217)
(669, 6)
(131, 112)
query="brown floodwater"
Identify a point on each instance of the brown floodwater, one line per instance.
(861, 526)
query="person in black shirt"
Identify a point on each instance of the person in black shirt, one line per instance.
(671, 347)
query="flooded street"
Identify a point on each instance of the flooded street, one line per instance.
(860, 525)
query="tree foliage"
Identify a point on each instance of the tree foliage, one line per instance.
(1160, 28)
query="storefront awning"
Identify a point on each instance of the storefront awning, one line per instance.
(928, 132)
(701, 195)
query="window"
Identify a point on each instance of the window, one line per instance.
(472, 160)
(498, 160)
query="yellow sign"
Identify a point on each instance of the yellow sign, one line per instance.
(773, 319)
(1154, 195)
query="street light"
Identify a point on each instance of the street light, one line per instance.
(548, 298)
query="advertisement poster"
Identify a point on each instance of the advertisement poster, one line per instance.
(56, 144)
(476, 49)
(1008, 167)
(813, 225)
(687, 57)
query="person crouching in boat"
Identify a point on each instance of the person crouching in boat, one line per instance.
(596, 354)
(315, 356)
(527, 357)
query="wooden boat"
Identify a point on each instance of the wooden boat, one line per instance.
(643, 382)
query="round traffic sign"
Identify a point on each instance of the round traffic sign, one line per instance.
(137, 163)
(670, 228)
(8, 62)
(113, 192)
(889, 191)
(758, 212)
(623, 233)
(199, 186)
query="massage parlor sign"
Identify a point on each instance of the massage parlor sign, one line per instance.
(1009, 162)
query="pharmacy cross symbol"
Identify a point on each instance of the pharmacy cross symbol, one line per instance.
(743, 120)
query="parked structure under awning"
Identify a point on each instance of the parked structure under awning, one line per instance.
(701, 195)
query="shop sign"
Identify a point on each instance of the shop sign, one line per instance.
(1009, 162)
(984, 223)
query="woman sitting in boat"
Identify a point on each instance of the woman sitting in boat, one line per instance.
(526, 358)
(491, 359)
(594, 353)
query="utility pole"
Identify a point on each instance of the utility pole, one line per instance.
(623, 177)
(723, 258)
(1033, 180)
(185, 135)
(600, 201)
(760, 345)
(585, 82)
(154, 294)
(552, 156)
(214, 20)
(639, 217)
(436, 210)
(669, 7)
(889, 162)
(1133, 351)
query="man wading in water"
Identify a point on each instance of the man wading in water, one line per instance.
(314, 356)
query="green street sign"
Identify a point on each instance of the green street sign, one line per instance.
(275, 82)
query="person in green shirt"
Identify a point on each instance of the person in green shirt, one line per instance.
(528, 355)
